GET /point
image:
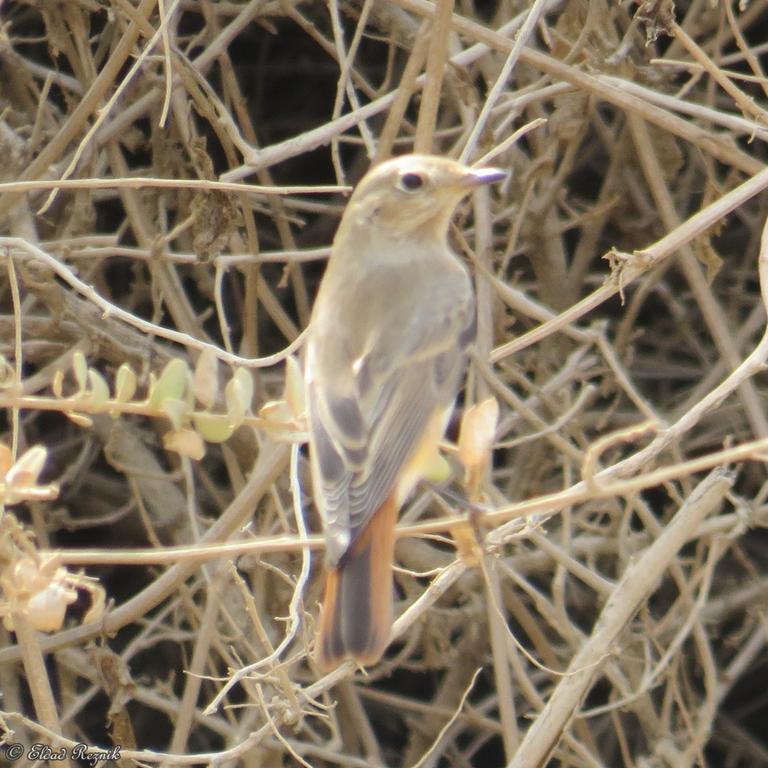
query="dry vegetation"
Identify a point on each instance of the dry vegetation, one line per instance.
(604, 603)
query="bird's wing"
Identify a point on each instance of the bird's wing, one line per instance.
(366, 425)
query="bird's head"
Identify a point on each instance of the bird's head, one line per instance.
(415, 193)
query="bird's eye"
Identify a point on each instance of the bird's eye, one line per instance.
(411, 182)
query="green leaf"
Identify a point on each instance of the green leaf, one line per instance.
(173, 383)
(125, 384)
(99, 388)
(214, 428)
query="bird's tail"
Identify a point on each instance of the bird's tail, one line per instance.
(356, 616)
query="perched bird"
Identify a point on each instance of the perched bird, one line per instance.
(386, 350)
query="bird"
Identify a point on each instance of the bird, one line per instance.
(386, 350)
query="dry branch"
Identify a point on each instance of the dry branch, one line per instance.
(600, 599)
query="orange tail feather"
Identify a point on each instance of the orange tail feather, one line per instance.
(356, 616)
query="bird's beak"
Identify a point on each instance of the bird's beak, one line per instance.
(477, 177)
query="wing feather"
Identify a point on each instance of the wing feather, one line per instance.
(367, 418)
